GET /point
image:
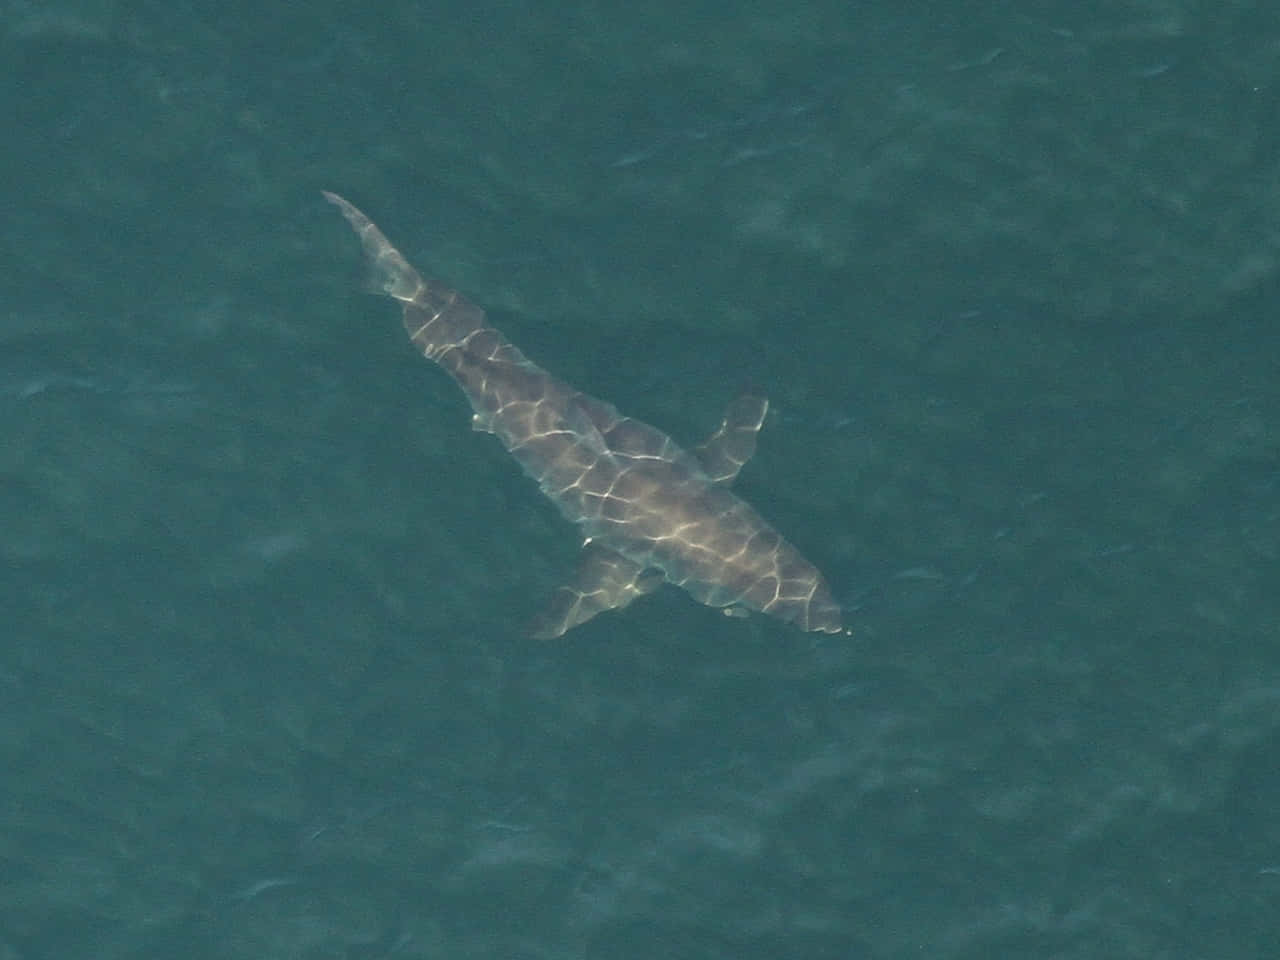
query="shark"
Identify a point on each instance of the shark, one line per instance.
(649, 511)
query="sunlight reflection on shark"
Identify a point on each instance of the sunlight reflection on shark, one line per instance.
(650, 511)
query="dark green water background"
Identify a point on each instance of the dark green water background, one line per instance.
(1009, 273)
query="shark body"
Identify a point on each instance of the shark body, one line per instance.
(650, 512)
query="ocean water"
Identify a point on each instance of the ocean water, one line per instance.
(1008, 278)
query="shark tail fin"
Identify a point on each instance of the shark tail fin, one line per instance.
(436, 318)
(392, 272)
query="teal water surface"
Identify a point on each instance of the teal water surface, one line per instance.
(1008, 277)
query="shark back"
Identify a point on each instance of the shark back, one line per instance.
(649, 510)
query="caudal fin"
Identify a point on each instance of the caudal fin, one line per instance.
(436, 318)
(394, 275)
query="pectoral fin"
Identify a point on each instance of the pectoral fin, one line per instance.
(726, 450)
(604, 580)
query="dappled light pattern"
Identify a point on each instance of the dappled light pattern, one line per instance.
(649, 510)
